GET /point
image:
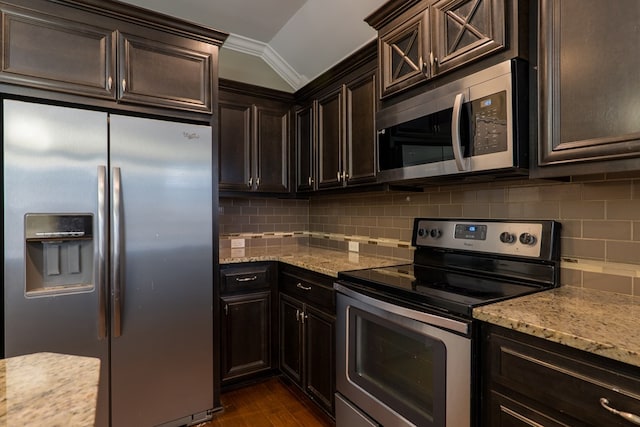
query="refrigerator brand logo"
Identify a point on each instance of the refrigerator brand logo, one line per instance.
(191, 135)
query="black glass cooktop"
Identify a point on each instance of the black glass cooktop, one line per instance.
(437, 289)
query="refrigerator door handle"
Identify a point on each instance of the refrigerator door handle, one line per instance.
(101, 260)
(116, 252)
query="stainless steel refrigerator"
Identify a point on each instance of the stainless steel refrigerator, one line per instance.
(108, 253)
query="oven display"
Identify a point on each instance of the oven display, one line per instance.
(471, 232)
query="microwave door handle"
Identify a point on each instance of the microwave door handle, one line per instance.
(461, 163)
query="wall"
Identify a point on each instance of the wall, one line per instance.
(600, 216)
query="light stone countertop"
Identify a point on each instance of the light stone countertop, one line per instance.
(599, 322)
(48, 389)
(325, 261)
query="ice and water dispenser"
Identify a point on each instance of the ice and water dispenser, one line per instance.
(59, 253)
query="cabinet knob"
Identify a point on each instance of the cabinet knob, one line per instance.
(345, 176)
(257, 182)
(338, 175)
(310, 181)
(109, 83)
(250, 183)
(124, 85)
(424, 67)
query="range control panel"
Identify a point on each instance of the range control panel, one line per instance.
(499, 237)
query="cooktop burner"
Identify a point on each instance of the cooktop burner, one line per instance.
(461, 264)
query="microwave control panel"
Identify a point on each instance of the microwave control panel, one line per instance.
(489, 122)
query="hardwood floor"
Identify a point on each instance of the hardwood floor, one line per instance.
(270, 403)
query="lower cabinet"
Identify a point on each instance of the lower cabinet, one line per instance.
(307, 333)
(246, 327)
(247, 317)
(529, 381)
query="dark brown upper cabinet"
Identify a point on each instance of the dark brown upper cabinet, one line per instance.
(346, 134)
(588, 88)
(335, 125)
(419, 40)
(103, 52)
(404, 52)
(253, 138)
(170, 74)
(305, 147)
(464, 30)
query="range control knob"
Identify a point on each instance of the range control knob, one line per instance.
(435, 233)
(423, 232)
(527, 239)
(506, 237)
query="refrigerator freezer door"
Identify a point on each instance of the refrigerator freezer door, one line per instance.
(51, 159)
(162, 362)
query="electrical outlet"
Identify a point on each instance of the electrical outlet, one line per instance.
(237, 243)
(354, 247)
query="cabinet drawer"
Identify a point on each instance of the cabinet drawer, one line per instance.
(568, 383)
(245, 278)
(309, 291)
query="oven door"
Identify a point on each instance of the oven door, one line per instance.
(401, 367)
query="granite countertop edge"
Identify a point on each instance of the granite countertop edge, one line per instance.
(320, 260)
(599, 322)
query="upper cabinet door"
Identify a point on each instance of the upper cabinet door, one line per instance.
(48, 52)
(164, 74)
(589, 87)
(404, 53)
(330, 130)
(272, 150)
(465, 30)
(305, 148)
(235, 146)
(361, 130)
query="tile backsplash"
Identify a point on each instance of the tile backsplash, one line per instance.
(600, 218)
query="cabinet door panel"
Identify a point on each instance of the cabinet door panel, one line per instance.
(466, 30)
(361, 130)
(235, 146)
(588, 85)
(320, 357)
(330, 131)
(404, 53)
(159, 73)
(304, 149)
(246, 332)
(48, 52)
(291, 338)
(272, 160)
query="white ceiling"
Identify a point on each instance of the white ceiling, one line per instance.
(298, 39)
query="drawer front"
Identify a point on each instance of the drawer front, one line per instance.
(245, 278)
(563, 383)
(309, 291)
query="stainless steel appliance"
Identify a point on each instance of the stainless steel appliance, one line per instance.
(406, 347)
(477, 124)
(108, 253)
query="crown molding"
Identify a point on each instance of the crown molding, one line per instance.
(268, 55)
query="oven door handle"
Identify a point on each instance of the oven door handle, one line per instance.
(428, 318)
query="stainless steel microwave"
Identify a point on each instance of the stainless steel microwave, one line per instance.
(477, 124)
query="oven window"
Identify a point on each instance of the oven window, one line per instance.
(399, 366)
